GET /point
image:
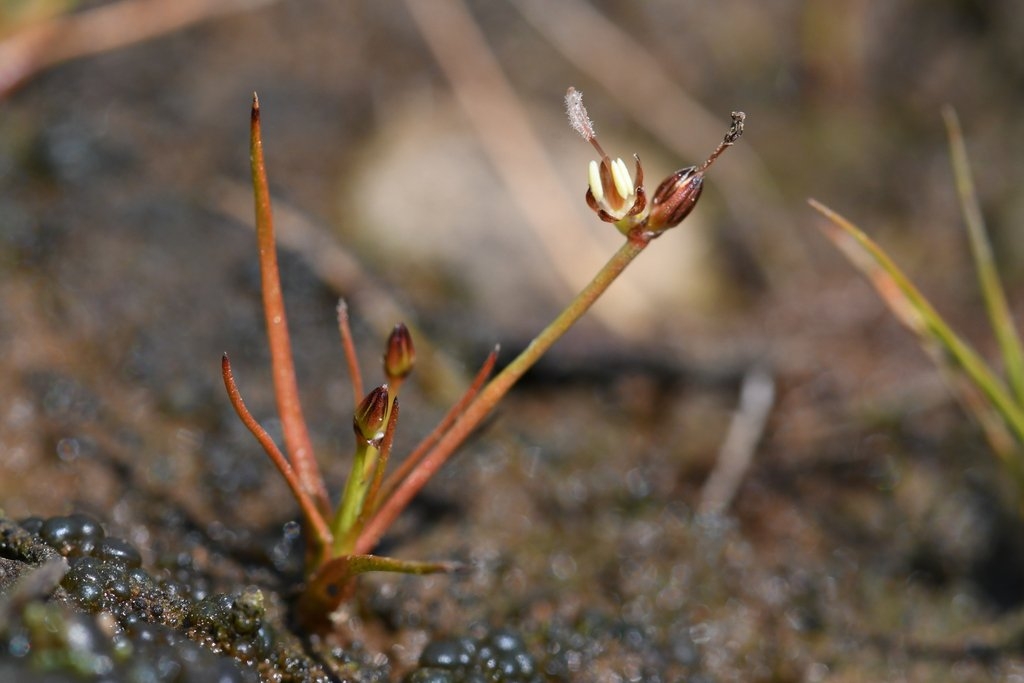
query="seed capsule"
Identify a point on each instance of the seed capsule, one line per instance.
(675, 198)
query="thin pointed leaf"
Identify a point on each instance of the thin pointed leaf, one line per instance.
(360, 564)
(286, 391)
(349, 346)
(320, 536)
(988, 277)
(911, 308)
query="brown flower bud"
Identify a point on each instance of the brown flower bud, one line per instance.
(675, 198)
(400, 356)
(370, 418)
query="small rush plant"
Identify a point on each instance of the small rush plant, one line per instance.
(340, 537)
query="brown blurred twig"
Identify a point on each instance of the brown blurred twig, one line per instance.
(38, 46)
(757, 396)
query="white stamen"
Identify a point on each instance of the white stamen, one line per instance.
(596, 189)
(623, 182)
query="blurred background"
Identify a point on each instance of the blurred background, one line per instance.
(422, 167)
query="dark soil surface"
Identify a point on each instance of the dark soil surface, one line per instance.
(144, 536)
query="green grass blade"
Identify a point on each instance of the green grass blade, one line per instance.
(914, 311)
(988, 277)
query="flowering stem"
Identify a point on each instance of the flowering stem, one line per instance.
(488, 398)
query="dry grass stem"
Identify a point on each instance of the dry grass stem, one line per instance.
(757, 396)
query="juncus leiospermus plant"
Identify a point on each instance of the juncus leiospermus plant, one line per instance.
(341, 537)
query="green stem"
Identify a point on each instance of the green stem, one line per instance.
(352, 499)
(373, 491)
(486, 400)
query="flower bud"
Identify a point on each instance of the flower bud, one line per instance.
(370, 418)
(400, 356)
(675, 198)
